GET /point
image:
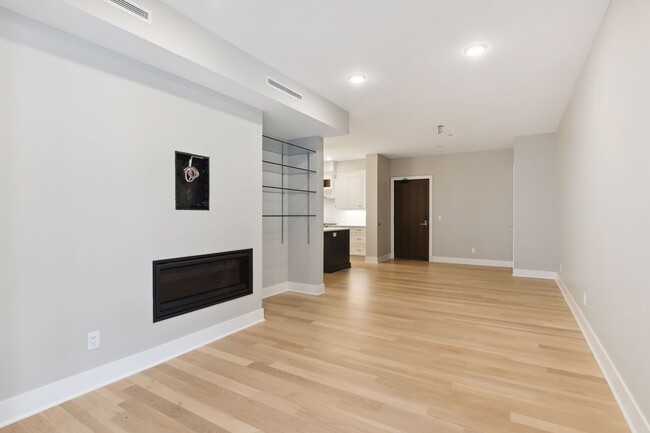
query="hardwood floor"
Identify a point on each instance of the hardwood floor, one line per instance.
(401, 347)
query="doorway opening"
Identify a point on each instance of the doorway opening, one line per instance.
(411, 205)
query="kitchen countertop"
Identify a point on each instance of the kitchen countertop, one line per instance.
(345, 226)
(334, 228)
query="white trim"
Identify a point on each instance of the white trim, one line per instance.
(290, 286)
(630, 408)
(527, 273)
(307, 289)
(275, 289)
(32, 402)
(392, 211)
(475, 262)
(379, 259)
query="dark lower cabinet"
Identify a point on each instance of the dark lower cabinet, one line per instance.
(337, 251)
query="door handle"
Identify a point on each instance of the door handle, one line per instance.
(425, 223)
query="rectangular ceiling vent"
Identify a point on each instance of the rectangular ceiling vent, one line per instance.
(284, 89)
(132, 9)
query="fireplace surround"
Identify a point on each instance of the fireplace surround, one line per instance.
(185, 284)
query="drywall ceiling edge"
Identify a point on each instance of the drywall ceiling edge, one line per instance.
(178, 46)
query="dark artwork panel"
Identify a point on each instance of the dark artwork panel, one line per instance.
(192, 182)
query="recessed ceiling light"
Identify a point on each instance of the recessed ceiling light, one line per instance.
(357, 78)
(475, 50)
(328, 159)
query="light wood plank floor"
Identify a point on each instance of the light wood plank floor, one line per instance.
(401, 347)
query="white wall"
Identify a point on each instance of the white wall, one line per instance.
(472, 192)
(603, 156)
(535, 216)
(87, 140)
(350, 166)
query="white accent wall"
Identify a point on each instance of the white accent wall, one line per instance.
(604, 198)
(87, 139)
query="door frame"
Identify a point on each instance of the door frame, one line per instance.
(392, 212)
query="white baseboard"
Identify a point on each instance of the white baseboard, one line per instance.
(308, 289)
(631, 410)
(526, 273)
(475, 262)
(275, 289)
(32, 402)
(379, 259)
(290, 286)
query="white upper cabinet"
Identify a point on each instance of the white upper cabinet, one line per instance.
(350, 191)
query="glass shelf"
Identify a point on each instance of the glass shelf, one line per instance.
(298, 156)
(280, 190)
(274, 145)
(274, 167)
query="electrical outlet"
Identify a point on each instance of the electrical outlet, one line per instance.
(93, 340)
(584, 299)
(439, 217)
(473, 250)
(561, 267)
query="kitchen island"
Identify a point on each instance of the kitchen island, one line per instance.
(336, 255)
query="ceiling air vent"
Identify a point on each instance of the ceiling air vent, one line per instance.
(132, 9)
(284, 89)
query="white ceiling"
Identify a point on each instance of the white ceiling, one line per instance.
(418, 76)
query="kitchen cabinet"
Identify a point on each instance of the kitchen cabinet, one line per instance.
(357, 241)
(350, 191)
(336, 255)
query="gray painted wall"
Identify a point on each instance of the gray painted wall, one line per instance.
(473, 194)
(377, 206)
(535, 216)
(383, 206)
(603, 157)
(88, 138)
(275, 266)
(306, 236)
(292, 255)
(371, 168)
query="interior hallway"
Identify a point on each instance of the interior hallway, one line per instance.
(399, 347)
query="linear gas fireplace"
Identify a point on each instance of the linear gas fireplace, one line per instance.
(187, 284)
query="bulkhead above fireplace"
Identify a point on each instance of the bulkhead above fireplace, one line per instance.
(186, 284)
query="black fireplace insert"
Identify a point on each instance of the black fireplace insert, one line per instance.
(187, 284)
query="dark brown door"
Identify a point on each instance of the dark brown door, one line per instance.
(412, 219)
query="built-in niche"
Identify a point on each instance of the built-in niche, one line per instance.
(192, 174)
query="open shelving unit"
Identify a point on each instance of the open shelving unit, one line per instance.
(289, 166)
